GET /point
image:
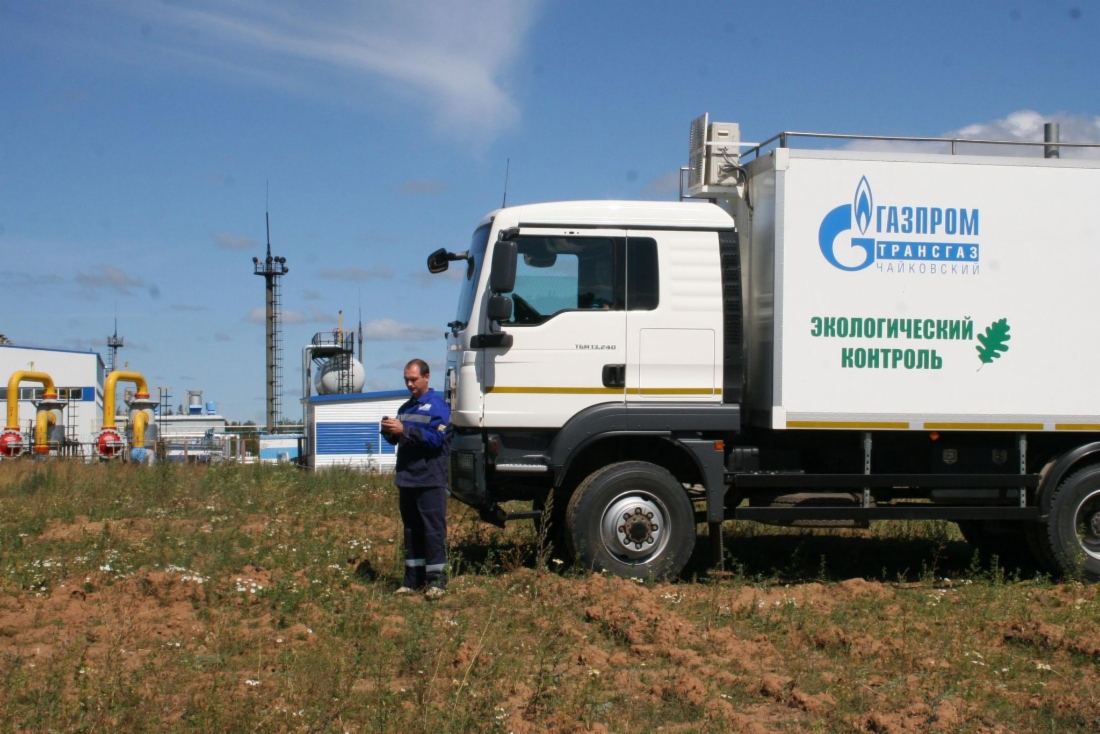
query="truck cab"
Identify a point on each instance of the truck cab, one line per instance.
(611, 316)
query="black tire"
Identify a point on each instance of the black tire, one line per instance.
(1073, 528)
(632, 519)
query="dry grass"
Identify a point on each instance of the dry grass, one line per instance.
(260, 599)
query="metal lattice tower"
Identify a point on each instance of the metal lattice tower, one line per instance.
(114, 343)
(273, 268)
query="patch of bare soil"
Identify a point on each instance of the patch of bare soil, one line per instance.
(82, 527)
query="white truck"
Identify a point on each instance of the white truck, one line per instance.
(832, 336)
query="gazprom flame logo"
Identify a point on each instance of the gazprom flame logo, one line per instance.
(840, 220)
(905, 238)
(863, 205)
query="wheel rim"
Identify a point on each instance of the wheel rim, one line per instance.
(635, 527)
(1087, 524)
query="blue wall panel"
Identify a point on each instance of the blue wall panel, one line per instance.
(351, 438)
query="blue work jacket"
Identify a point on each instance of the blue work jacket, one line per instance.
(424, 445)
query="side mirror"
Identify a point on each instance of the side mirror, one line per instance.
(502, 279)
(500, 308)
(437, 261)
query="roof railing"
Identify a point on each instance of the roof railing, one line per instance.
(783, 140)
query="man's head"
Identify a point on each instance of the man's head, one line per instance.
(417, 373)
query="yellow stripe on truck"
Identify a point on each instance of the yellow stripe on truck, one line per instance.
(849, 424)
(983, 426)
(674, 391)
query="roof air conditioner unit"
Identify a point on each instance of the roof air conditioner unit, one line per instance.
(714, 157)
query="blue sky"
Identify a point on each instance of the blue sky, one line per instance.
(141, 141)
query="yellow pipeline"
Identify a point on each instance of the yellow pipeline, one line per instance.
(141, 420)
(109, 393)
(42, 424)
(50, 393)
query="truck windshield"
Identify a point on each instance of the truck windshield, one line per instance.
(478, 243)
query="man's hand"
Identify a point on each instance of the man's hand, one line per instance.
(392, 426)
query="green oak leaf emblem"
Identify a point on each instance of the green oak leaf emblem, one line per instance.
(993, 341)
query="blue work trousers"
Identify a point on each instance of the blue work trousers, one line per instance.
(424, 514)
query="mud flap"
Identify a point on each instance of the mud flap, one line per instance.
(711, 461)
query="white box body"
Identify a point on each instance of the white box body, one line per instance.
(917, 247)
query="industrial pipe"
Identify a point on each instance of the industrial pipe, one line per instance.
(109, 393)
(42, 424)
(49, 393)
(11, 440)
(141, 420)
(108, 442)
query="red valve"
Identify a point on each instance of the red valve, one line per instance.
(108, 443)
(11, 443)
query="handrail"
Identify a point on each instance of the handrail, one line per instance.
(783, 140)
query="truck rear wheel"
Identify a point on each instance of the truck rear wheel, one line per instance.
(1073, 528)
(632, 519)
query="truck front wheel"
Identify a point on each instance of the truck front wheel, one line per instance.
(632, 519)
(1073, 529)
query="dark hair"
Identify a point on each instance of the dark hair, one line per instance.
(421, 365)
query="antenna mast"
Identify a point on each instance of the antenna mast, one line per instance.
(360, 327)
(114, 343)
(272, 268)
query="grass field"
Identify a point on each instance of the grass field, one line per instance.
(259, 598)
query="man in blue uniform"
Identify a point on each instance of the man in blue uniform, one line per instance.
(422, 433)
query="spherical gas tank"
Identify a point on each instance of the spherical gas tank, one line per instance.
(333, 377)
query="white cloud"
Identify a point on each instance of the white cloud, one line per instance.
(448, 58)
(1022, 125)
(390, 330)
(1027, 125)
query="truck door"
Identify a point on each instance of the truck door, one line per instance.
(568, 330)
(673, 316)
